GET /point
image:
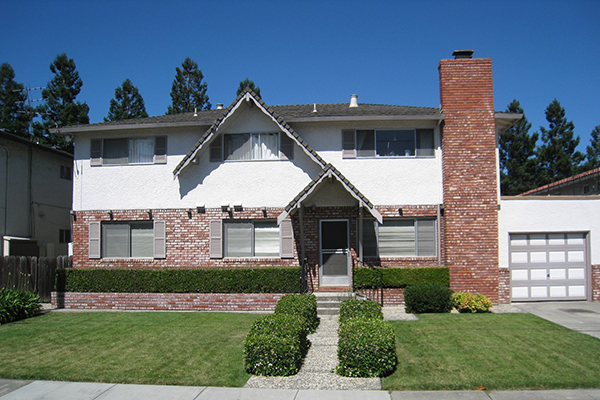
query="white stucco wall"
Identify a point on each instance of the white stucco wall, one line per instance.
(253, 183)
(549, 214)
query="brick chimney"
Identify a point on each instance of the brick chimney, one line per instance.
(470, 174)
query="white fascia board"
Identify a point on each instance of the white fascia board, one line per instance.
(368, 118)
(104, 128)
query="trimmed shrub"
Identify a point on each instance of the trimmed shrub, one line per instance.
(304, 305)
(276, 345)
(428, 299)
(17, 304)
(355, 308)
(368, 278)
(201, 280)
(366, 348)
(466, 302)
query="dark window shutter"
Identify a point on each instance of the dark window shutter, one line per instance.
(94, 239)
(216, 239)
(160, 150)
(96, 152)
(216, 149)
(425, 144)
(348, 144)
(287, 147)
(160, 239)
(286, 235)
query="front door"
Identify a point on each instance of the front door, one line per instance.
(335, 253)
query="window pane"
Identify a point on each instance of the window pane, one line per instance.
(425, 145)
(365, 143)
(426, 240)
(269, 146)
(115, 240)
(238, 147)
(397, 238)
(141, 150)
(266, 239)
(115, 151)
(399, 143)
(238, 239)
(142, 238)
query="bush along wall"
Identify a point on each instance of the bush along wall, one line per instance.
(17, 304)
(368, 278)
(367, 343)
(428, 299)
(213, 280)
(277, 344)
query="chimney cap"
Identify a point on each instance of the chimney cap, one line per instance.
(353, 100)
(463, 54)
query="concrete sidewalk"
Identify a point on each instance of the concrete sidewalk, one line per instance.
(50, 390)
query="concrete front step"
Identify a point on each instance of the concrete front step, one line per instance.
(328, 303)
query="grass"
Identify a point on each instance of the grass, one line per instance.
(497, 351)
(196, 349)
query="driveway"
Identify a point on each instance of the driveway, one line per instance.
(581, 316)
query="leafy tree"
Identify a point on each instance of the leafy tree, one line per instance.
(518, 165)
(247, 83)
(188, 91)
(61, 109)
(557, 154)
(14, 112)
(593, 150)
(127, 104)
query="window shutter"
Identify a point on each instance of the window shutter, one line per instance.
(94, 239)
(160, 150)
(96, 152)
(160, 239)
(286, 234)
(216, 149)
(287, 147)
(216, 239)
(348, 144)
(425, 145)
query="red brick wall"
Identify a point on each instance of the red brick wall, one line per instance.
(391, 296)
(470, 176)
(595, 283)
(167, 301)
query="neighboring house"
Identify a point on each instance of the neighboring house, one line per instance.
(337, 185)
(584, 184)
(35, 198)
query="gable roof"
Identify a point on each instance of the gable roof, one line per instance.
(248, 95)
(562, 182)
(329, 171)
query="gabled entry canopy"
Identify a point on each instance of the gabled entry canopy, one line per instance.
(250, 97)
(329, 172)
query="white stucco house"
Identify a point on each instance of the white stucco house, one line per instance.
(330, 187)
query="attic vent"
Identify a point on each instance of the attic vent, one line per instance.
(219, 106)
(354, 100)
(463, 54)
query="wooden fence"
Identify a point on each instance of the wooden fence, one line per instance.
(32, 274)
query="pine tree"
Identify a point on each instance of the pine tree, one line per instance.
(188, 92)
(247, 83)
(14, 112)
(127, 104)
(593, 150)
(61, 109)
(558, 156)
(518, 165)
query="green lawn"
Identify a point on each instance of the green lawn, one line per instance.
(497, 351)
(195, 349)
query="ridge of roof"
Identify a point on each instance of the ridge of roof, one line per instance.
(562, 181)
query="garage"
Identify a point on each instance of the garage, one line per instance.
(548, 266)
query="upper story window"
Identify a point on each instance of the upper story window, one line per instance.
(122, 151)
(252, 146)
(388, 143)
(66, 172)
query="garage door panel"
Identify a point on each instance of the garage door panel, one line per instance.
(548, 266)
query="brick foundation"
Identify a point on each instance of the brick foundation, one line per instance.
(167, 301)
(595, 282)
(391, 296)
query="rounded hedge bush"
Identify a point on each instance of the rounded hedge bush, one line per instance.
(355, 308)
(428, 299)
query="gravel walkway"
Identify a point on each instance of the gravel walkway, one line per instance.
(319, 364)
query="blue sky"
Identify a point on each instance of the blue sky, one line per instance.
(311, 51)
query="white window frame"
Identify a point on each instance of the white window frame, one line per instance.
(156, 242)
(252, 237)
(415, 237)
(158, 155)
(350, 143)
(255, 138)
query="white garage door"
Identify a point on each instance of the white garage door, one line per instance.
(548, 266)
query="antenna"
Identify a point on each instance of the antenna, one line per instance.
(29, 110)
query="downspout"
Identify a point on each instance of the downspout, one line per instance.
(439, 236)
(5, 196)
(30, 217)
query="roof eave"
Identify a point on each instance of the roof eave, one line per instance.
(505, 120)
(316, 118)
